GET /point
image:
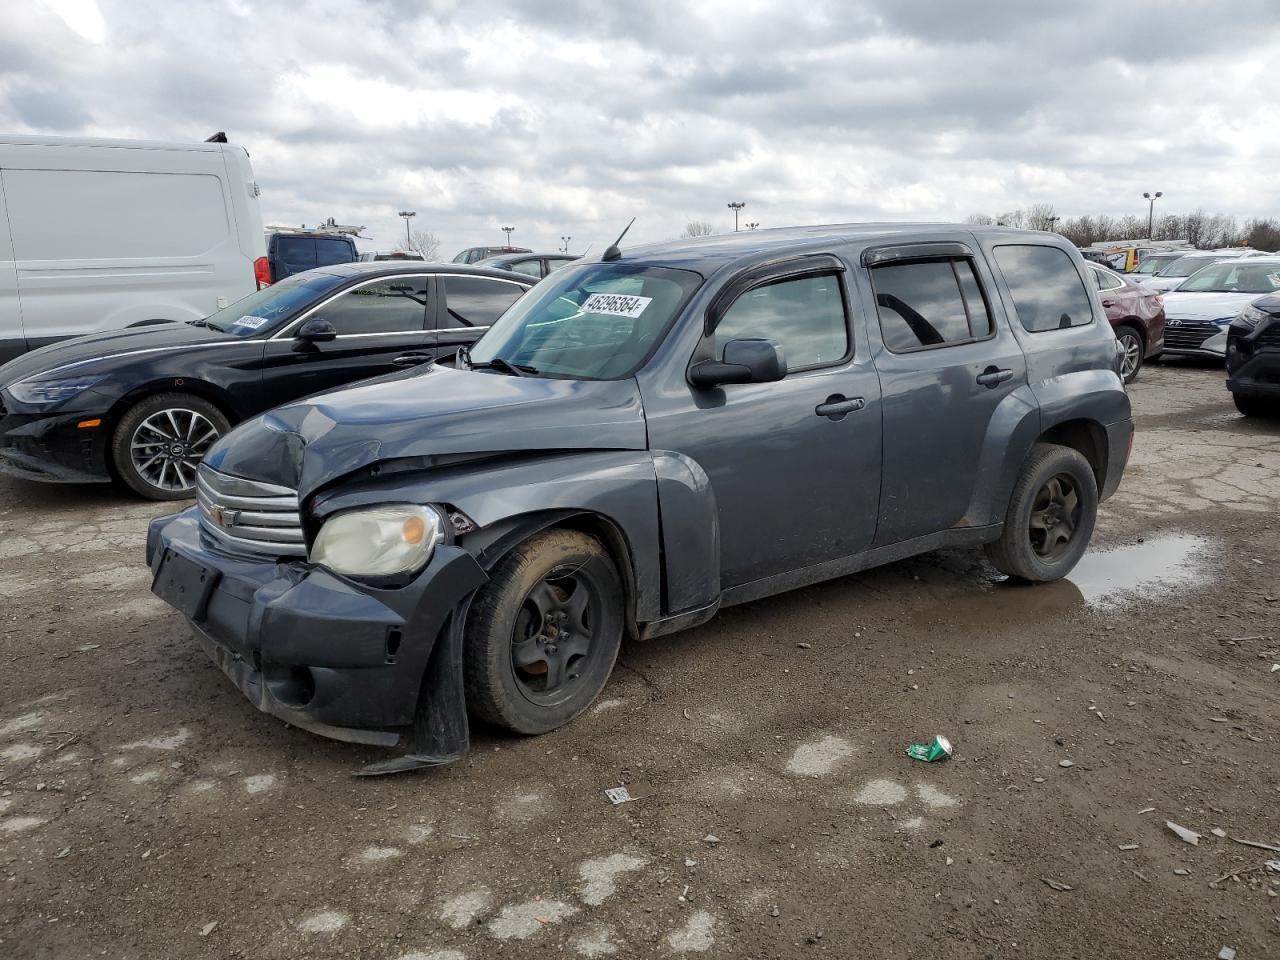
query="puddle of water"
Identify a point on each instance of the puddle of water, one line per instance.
(1156, 567)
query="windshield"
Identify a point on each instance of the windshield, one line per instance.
(1184, 266)
(258, 312)
(1235, 278)
(1155, 261)
(597, 321)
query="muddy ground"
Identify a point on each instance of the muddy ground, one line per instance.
(146, 810)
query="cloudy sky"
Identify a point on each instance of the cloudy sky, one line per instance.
(565, 117)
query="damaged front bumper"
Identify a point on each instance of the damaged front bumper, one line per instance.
(340, 659)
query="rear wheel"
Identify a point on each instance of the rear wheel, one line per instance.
(160, 442)
(1252, 406)
(544, 632)
(1131, 350)
(1051, 516)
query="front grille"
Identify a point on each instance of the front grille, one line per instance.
(1188, 335)
(248, 515)
(1269, 336)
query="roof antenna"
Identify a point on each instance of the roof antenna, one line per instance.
(613, 253)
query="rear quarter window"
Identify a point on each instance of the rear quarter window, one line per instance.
(1047, 291)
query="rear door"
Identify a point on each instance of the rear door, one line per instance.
(381, 324)
(290, 255)
(469, 305)
(12, 341)
(945, 365)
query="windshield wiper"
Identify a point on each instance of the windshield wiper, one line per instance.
(506, 366)
(205, 323)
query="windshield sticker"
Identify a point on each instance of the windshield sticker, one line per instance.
(616, 305)
(250, 323)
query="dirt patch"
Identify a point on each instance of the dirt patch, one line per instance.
(143, 799)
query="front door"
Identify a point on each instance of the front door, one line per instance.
(794, 465)
(945, 366)
(381, 326)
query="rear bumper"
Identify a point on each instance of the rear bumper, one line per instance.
(53, 449)
(331, 656)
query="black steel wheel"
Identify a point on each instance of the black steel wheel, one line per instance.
(1051, 516)
(544, 632)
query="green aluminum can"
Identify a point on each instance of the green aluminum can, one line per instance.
(939, 748)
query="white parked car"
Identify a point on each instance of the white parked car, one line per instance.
(1172, 274)
(101, 234)
(1198, 312)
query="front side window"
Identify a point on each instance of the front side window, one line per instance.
(530, 268)
(930, 303)
(596, 321)
(1046, 288)
(478, 301)
(555, 263)
(390, 305)
(805, 316)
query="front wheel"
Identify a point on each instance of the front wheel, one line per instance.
(160, 442)
(1131, 350)
(544, 632)
(1051, 516)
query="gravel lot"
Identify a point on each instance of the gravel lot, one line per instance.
(147, 810)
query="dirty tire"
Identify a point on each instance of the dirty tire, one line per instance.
(187, 409)
(1133, 345)
(1256, 406)
(507, 624)
(1048, 466)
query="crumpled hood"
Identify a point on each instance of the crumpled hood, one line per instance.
(308, 443)
(1202, 307)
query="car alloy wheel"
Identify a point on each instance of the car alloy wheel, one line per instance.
(555, 634)
(1054, 515)
(1131, 359)
(167, 447)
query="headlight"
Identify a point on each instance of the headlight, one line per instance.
(44, 392)
(379, 541)
(1250, 317)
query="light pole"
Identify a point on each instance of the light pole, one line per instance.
(751, 225)
(407, 214)
(1151, 210)
(508, 231)
(1053, 223)
(565, 241)
(735, 206)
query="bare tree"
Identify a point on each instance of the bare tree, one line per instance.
(698, 228)
(1012, 218)
(426, 243)
(980, 219)
(1040, 216)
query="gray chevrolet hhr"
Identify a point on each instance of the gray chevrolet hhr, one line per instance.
(638, 442)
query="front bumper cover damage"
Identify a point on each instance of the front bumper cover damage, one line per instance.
(337, 658)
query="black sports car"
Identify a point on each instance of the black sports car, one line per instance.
(141, 405)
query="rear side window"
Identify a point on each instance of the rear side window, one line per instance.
(1046, 289)
(393, 305)
(530, 268)
(478, 301)
(805, 316)
(1107, 281)
(930, 303)
(333, 251)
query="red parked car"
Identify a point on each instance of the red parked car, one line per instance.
(1136, 315)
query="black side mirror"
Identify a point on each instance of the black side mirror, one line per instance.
(316, 330)
(744, 361)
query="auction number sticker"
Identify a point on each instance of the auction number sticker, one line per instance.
(250, 323)
(616, 305)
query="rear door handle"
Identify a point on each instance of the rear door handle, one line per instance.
(837, 406)
(412, 359)
(993, 376)
(1108, 303)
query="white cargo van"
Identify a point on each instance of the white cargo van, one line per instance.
(99, 234)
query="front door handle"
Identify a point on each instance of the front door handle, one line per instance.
(993, 377)
(1108, 303)
(412, 359)
(837, 406)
